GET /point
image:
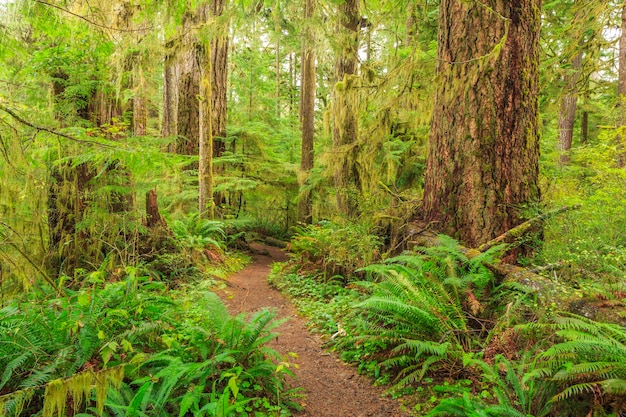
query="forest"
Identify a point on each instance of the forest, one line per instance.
(437, 186)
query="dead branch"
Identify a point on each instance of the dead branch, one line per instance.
(91, 22)
(550, 267)
(46, 129)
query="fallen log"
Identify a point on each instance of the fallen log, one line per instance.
(520, 230)
(275, 242)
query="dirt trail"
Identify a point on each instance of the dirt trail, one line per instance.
(333, 389)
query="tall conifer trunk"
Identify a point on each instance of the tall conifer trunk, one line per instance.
(219, 76)
(169, 125)
(307, 114)
(482, 166)
(567, 114)
(188, 90)
(140, 102)
(345, 109)
(621, 90)
(205, 170)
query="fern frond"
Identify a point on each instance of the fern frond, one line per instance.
(574, 390)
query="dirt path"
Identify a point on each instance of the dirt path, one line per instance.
(333, 389)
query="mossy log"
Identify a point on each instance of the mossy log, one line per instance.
(277, 243)
(515, 233)
(547, 290)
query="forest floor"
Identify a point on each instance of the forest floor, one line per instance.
(332, 388)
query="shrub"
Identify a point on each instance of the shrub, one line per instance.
(331, 250)
(181, 352)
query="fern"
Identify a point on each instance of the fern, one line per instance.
(195, 231)
(420, 307)
(515, 395)
(590, 355)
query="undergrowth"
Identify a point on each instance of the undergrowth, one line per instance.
(452, 338)
(143, 340)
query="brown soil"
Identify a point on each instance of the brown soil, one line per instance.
(333, 388)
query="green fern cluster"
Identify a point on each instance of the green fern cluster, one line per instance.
(42, 340)
(515, 393)
(183, 355)
(217, 366)
(588, 357)
(425, 306)
(196, 232)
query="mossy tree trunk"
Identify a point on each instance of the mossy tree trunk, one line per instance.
(169, 124)
(188, 124)
(205, 171)
(140, 102)
(482, 166)
(307, 114)
(345, 109)
(621, 90)
(219, 75)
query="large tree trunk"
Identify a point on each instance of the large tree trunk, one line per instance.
(345, 109)
(187, 141)
(567, 115)
(307, 116)
(482, 166)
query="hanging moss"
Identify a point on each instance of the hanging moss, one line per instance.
(57, 393)
(13, 404)
(79, 387)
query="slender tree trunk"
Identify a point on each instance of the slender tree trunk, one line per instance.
(567, 115)
(307, 115)
(345, 110)
(411, 24)
(219, 76)
(277, 35)
(205, 171)
(169, 126)
(584, 128)
(621, 90)
(140, 102)
(482, 166)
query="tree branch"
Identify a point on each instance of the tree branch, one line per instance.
(91, 22)
(46, 129)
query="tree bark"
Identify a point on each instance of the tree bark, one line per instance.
(345, 110)
(169, 125)
(153, 215)
(205, 172)
(621, 90)
(307, 116)
(482, 165)
(187, 141)
(140, 102)
(411, 24)
(567, 115)
(219, 77)
(584, 128)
